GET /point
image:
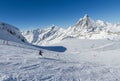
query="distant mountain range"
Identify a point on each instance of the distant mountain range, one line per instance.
(85, 28)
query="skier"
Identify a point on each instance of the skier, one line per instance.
(40, 52)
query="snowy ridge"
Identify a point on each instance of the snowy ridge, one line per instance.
(11, 33)
(44, 36)
(85, 28)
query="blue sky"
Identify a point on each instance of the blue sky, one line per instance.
(29, 14)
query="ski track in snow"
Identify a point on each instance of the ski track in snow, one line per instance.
(22, 63)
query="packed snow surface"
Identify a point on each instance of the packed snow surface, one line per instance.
(83, 60)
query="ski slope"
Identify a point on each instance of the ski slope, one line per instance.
(83, 60)
(95, 51)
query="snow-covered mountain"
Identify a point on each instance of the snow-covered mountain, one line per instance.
(11, 33)
(44, 36)
(85, 28)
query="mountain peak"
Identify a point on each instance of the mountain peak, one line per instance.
(85, 16)
(85, 23)
(53, 25)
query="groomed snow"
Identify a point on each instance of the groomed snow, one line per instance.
(84, 60)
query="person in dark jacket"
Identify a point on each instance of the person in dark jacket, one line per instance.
(40, 53)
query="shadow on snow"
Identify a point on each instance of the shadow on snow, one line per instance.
(52, 48)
